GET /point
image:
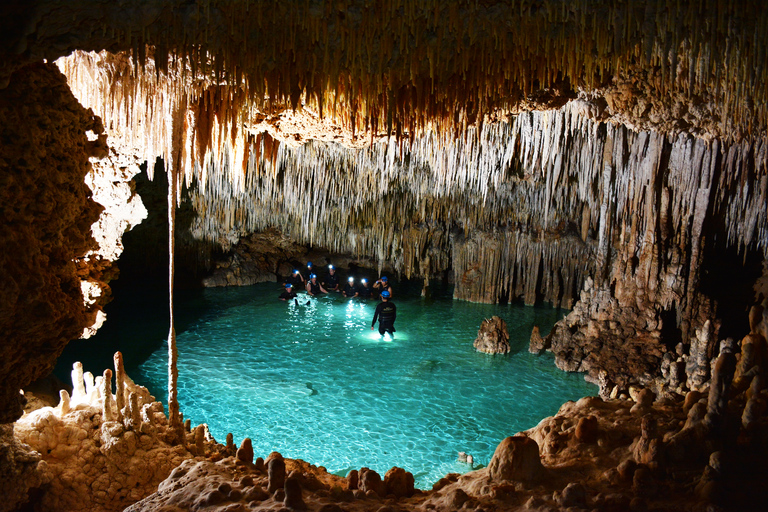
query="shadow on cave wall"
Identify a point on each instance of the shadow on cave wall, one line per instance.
(138, 315)
(146, 245)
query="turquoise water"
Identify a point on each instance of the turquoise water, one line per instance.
(315, 383)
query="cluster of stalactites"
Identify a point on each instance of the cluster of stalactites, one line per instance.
(399, 67)
(564, 193)
(551, 162)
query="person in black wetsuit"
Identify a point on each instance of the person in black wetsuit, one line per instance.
(297, 279)
(350, 290)
(331, 281)
(364, 291)
(310, 270)
(386, 312)
(288, 294)
(382, 285)
(313, 287)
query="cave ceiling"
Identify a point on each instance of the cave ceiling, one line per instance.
(397, 67)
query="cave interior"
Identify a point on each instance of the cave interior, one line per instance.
(609, 158)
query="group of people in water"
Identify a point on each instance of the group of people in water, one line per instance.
(386, 311)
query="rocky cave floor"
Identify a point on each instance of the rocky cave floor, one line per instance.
(707, 450)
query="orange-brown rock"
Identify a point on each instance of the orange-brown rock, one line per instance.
(46, 212)
(493, 336)
(516, 459)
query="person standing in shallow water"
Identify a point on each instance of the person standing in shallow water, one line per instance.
(296, 279)
(386, 312)
(332, 280)
(364, 291)
(310, 270)
(382, 285)
(350, 290)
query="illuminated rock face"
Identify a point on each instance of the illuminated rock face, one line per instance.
(99, 450)
(45, 232)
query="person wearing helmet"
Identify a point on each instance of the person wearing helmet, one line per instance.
(381, 285)
(364, 290)
(350, 290)
(310, 269)
(331, 280)
(386, 312)
(313, 287)
(288, 294)
(296, 279)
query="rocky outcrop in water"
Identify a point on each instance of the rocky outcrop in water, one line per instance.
(493, 336)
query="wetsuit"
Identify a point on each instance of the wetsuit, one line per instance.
(297, 280)
(287, 295)
(386, 312)
(379, 287)
(349, 290)
(364, 292)
(332, 281)
(314, 288)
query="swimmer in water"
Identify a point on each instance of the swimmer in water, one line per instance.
(313, 287)
(288, 294)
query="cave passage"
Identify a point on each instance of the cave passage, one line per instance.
(314, 382)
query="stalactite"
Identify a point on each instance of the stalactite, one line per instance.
(446, 166)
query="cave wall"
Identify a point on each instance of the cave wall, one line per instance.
(47, 214)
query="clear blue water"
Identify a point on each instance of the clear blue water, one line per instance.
(315, 383)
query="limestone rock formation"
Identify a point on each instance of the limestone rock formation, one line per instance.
(516, 459)
(45, 232)
(493, 336)
(606, 157)
(21, 469)
(96, 450)
(666, 454)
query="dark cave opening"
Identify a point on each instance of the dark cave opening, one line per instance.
(728, 275)
(145, 252)
(671, 334)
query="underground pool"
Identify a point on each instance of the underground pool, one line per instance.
(312, 381)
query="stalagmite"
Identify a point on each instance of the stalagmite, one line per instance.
(135, 410)
(200, 440)
(276, 473)
(90, 386)
(64, 403)
(79, 392)
(119, 385)
(108, 406)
